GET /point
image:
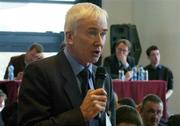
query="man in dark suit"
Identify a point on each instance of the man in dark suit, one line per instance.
(19, 62)
(51, 93)
(120, 60)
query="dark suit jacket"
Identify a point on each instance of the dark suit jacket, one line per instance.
(50, 96)
(18, 63)
(112, 65)
(9, 114)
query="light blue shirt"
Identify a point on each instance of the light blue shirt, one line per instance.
(77, 68)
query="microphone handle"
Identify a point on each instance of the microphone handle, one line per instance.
(100, 84)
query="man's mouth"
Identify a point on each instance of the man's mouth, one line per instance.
(154, 121)
(96, 52)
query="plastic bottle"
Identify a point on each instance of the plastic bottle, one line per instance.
(134, 76)
(146, 75)
(121, 75)
(11, 72)
(141, 73)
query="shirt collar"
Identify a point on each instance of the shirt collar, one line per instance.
(157, 67)
(77, 68)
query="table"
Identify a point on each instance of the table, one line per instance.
(10, 88)
(138, 89)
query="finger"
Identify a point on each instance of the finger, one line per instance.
(96, 106)
(100, 98)
(99, 91)
(100, 103)
(100, 108)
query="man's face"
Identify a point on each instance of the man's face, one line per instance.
(121, 51)
(87, 40)
(152, 113)
(154, 57)
(2, 100)
(33, 55)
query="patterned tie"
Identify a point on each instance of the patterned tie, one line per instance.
(84, 77)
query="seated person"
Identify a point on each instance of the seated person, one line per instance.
(157, 71)
(33, 53)
(127, 101)
(128, 116)
(151, 110)
(120, 60)
(3, 98)
(9, 113)
(116, 104)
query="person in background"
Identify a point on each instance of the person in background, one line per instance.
(33, 53)
(127, 101)
(52, 91)
(120, 60)
(174, 120)
(151, 110)
(128, 116)
(9, 113)
(157, 71)
(116, 104)
(3, 98)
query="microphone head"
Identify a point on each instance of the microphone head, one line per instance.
(100, 77)
(100, 73)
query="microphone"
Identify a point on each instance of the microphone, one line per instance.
(100, 77)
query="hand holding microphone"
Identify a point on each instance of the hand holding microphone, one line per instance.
(95, 100)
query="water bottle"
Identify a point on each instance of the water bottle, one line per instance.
(121, 75)
(146, 76)
(134, 76)
(141, 73)
(11, 72)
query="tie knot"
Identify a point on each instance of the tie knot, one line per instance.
(84, 79)
(85, 73)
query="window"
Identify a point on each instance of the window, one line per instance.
(32, 17)
(28, 17)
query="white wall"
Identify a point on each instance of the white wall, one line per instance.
(120, 11)
(158, 22)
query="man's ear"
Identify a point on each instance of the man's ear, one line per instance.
(69, 37)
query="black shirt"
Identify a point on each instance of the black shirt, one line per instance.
(160, 73)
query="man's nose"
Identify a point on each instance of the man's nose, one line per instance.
(99, 41)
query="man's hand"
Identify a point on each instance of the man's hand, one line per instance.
(128, 75)
(19, 76)
(93, 103)
(123, 59)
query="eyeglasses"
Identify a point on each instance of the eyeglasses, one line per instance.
(122, 50)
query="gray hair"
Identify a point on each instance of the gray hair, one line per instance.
(81, 11)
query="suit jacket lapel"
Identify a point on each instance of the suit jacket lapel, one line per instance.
(71, 85)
